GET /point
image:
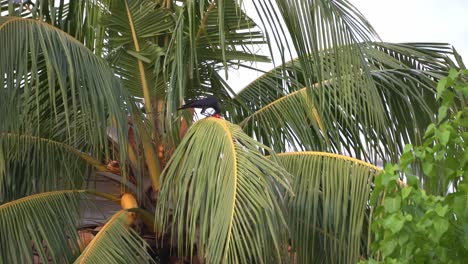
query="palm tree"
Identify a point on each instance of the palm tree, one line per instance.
(91, 89)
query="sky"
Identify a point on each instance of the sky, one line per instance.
(402, 21)
(419, 21)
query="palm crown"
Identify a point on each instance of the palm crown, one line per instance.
(89, 82)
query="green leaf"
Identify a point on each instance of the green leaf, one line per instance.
(281, 117)
(448, 99)
(387, 179)
(408, 148)
(430, 130)
(441, 86)
(412, 181)
(392, 204)
(133, 47)
(453, 74)
(405, 159)
(443, 136)
(440, 226)
(403, 239)
(442, 113)
(427, 167)
(460, 204)
(405, 192)
(441, 210)
(388, 246)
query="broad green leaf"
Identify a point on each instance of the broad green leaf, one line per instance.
(389, 246)
(443, 136)
(441, 86)
(394, 222)
(392, 204)
(441, 210)
(430, 129)
(405, 192)
(440, 226)
(427, 167)
(387, 178)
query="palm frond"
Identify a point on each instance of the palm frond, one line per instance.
(43, 223)
(277, 109)
(77, 18)
(134, 30)
(324, 26)
(208, 37)
(12, 141)
(327, 213)
(135, 47)
(116, 242)
(38, 164)
(222, 193)
(224, 34)
(55, 89)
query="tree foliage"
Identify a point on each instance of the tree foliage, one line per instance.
(424, 220)
(91, 88)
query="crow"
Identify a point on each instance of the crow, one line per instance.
(205, 103)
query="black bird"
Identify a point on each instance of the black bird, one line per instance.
(205, 103)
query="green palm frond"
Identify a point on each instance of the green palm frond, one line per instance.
(116, 242)
(319, 28)
(324, 26)
(12, 141)
(37, 164)
(40, 10)
(404, 75)
(223, 195)
(209, 36)
(327, 214)
(43, 223)
(83, 22)
(77, 18)
(224, 34)
(55, 89)
(135, 31)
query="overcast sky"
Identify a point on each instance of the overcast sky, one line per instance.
(419, 21)
(401, 21)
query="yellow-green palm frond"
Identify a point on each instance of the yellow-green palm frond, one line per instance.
(116, 242)
(279, 110)
(209, 38)
(43, 223)
(328, 214)
(49, 164)
(80, 19)
(135, 31)
(225, 196)
(323, 26)
(56, 90)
